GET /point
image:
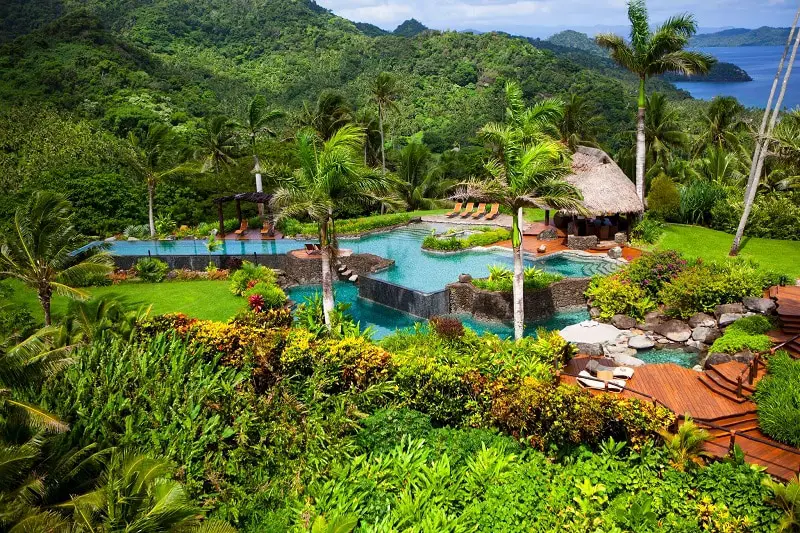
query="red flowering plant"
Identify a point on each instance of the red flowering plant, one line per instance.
(256, 302)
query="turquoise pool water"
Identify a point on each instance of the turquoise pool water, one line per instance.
(414, 268)
(669, 355)
(386, 321)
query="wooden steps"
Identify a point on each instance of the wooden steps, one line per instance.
(721, 387)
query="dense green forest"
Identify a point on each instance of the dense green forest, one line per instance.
(763, 36)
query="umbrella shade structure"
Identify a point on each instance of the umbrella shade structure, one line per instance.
(590, 332)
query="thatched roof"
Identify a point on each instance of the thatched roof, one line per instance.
(605, 187)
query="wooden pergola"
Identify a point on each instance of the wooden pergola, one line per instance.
(250, 197)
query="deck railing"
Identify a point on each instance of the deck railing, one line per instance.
(752, 368)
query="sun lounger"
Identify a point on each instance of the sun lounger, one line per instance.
(480, 211)
(468, 210)
(456, 210)
(312, 249)
(242, 229)
(619, 372)
(267, 229)
(586, 380)
(493, 212)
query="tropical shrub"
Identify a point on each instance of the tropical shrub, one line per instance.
(734, 341)
(269, 295)
(501, 279)
(450, 243)
(447, 327)
(752, 325)
(249, 275)
(697, 201)
(151, 270)
(615, 295)
(664, 199)
(653, 270)
(778, 399)
(346, 226)
(648, 230)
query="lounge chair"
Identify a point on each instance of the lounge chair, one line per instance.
(493, 212)
(242, 229)
(467, 210)
(312, 249)
(619, 372)
(267, 230)
(456, 210)
(586, 380)
(480, 211)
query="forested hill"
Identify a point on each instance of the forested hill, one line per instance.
(763, 36)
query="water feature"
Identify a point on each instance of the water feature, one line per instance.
(385, 320)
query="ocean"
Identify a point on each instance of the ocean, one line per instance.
(760, 62)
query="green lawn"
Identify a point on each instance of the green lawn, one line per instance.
(695, 241)
(209, 300)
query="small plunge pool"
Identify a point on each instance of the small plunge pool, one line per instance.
(684, 358)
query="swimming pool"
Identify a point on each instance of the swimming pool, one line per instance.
(684, 358)
(414, 267)
(385, 320)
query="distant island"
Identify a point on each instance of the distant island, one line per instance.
(763, 36)
(720, 72)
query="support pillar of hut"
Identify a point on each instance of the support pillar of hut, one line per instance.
(239, 212)
(546, 217)
(221, 221)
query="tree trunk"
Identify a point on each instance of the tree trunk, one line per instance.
(641, 147)
(45, 296)
(762, 140)
(259, 184)
(519, 278)
(327, 279)
(151, 196)
(383, 149)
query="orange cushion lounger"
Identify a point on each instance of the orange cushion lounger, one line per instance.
(467, 210)
(481, 210)
(493, 213)
(242, 228)
(455, 210)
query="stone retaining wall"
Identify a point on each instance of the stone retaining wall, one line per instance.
(200, 262)
(575, 242)
(424, 305)
(305, 271)
(465, 298)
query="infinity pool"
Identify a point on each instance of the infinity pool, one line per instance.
(385, 320)
(414, 268)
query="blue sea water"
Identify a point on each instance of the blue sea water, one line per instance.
(760, 62)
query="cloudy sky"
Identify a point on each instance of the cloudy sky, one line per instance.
(533, 17)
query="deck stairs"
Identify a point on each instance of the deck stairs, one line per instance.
(788, 302)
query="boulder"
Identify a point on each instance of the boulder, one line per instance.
(620, 237)
(705, 334)
(594, 312)
(697, 368)
(675, 330)
(718, 358)
(695, 344)
(702, 320)
(623, 322)
(652, 320)
(541, 249)
(726, 319)
(627, 360)
(664, 341)
(110, 239)
(745, 356)
(619, 351)
(641, 342)
(464, 278)
(548, 234)
(764, 306)
(720, 310)
(615, 252)
(590, 348)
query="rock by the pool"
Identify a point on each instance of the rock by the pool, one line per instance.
(732, 309)
(726, 319)
(764, 306)
(705, 335)
(718, 358)
(464, 278)
(623, 321)
(745, 356)
(541, 249)
(627, 360)
(675, 330)
(594, 312)
(590, 348)
(702, 320)
(641, 342)
(548, 234)
(615, 252)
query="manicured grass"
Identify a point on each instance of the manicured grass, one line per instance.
(209, 300)
(696, 241)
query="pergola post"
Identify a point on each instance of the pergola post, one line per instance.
(239, 211)
(221, 220)
(546, 217)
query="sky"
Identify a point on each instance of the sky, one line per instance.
(535, 18)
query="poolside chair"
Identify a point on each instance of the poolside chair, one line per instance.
(242, 229)
(312, 249)
(586, 381)
(468, 210)
(493, 212)
(619, 372)
(455, 211)
(480, 211)
(267, 230)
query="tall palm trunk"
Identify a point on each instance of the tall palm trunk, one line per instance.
(45, 297)
(383, 149)
(519, 279)
(641, 147)
(327, 278)
(259, 183)
(151, 196)
(762, 139)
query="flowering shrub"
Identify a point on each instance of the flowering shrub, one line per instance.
(447, 327)
(616, 295)
(653, 270)
(263, 296)
(246, 277)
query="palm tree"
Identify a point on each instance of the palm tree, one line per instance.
(384, 93)
(723, 126)
(419, 181)
(331, 113)
(721, 167)
(537, 122)
(38, 251)
(217, 145)
(368, 121)
(651, 54)
(330, 175)
(787, 499)
(579, 123)
(256, 123)
(524, 174)
(687, 445)
(663, 130)
(152, 158)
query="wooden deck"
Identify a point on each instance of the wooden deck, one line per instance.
(788, 300)
(717, 408)
(531, 243)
